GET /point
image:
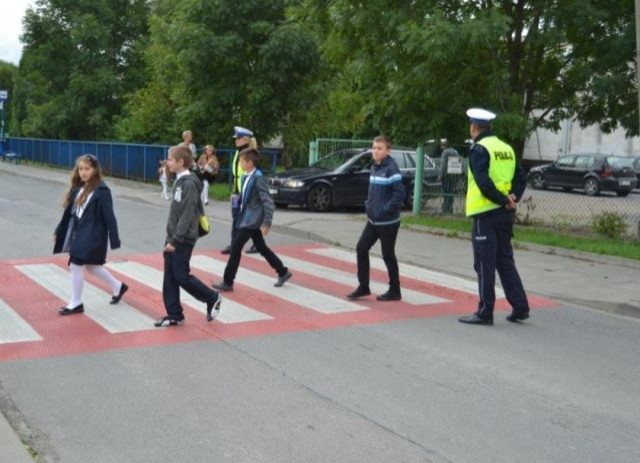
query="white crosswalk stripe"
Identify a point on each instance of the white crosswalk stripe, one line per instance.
(231, 311)
(119, 318)
(407, 270)
(305, 297)
(13, 328)
(338, 276)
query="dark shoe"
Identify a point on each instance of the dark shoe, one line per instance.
(516, 317)
(474, 319)
(252, 250)
(359, 292)
(282, 279)
(389, 296)
(222, 286)
(226, 250)
(68, 311)
(166, 321)
(213, 308)
(123, 289)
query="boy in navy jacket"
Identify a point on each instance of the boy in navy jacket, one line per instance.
(383, 204)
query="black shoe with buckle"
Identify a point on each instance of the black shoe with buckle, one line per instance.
(68, 311)
(252, 250)
(358, 293)
(516, 317)
(213, 308)
(226, 250)
(168, 321)
(123, 289)
(389, 296)
(282, 279)
(222, 286)
(475, 319)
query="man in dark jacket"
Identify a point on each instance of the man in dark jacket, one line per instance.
(182, 233)
(495, 184)
(385, 199)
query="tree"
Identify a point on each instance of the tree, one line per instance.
(422, 64)
(80, 57)
(7, 77)
(231, 63)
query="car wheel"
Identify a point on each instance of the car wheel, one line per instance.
(282, 205)
(537, 180)
(591, 187)
(320, 198)
(622, 194)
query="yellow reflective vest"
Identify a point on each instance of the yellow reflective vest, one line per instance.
(502, 167)
(238, 172)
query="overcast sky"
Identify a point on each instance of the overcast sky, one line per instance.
(12, 12)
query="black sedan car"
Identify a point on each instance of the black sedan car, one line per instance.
(591, 172)
(342, 179)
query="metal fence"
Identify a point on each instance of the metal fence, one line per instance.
(551, 207)
(124, 160)
(321, 147)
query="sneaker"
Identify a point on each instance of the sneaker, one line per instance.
(282, 279)
(222, 286)
(167, 321)
(516, 317)
(358, 293)
(213, 308)
(389, 296)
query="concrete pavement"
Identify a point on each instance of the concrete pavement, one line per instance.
(598, 282)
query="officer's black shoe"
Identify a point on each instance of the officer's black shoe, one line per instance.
(252, 250)
(474, 319)
(516, 317)
(68, 311)
(222, 286)
(359, 292)
(389, 296)
(226, 250)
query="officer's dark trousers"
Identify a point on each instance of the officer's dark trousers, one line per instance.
(492, 251)
(387, 235)
(243, 235)
(177, 275)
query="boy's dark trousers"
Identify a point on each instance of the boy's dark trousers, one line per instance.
(243, 235)
(492, 250)
(387, 235)
(177, 275)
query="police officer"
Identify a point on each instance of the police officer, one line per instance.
(495, 185)
(243, 139)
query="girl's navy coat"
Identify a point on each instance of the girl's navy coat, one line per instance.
(97, 224)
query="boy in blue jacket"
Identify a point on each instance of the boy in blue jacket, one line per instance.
(383, 204)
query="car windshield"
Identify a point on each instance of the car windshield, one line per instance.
(335, 159)
(619, 162)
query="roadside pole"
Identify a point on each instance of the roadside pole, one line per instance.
(638, 60)
(417, 185)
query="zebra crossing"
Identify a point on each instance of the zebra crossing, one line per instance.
(32, 291)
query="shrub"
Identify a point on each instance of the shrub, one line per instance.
(609, 224)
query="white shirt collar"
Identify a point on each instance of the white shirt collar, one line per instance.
(182, 174)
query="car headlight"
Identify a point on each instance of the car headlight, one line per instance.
(293, 184)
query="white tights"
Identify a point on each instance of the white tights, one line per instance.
(205, 192)
(77, 281)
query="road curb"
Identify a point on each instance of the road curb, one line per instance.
(12, 450)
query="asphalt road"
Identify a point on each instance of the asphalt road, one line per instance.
(561, 388)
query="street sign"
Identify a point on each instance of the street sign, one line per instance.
(4, 95)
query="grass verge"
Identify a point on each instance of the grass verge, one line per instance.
(628, 248)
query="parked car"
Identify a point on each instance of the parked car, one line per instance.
(342, 179)
(592, 172)
(636, 166)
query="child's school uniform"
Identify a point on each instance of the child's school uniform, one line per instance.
(256, 209)
(182, 233)
(85, 231)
